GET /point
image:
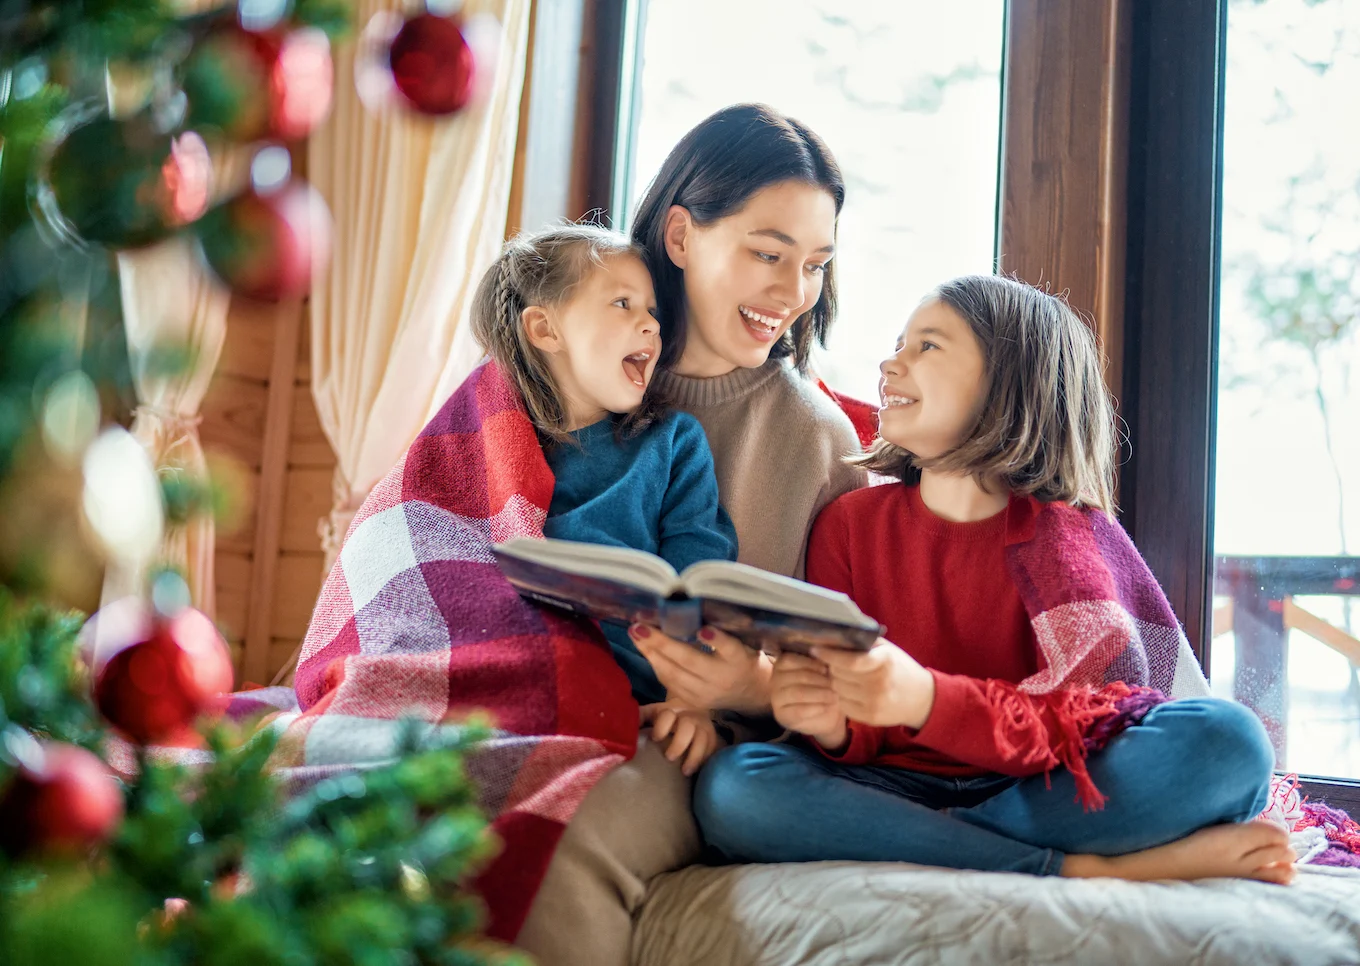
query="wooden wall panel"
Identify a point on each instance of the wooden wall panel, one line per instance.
(307, 499)
(233, 416)
(233, 599)
(308, 445)
(238, 535)
(297, 578)
(281, 651)
(1064, 157)
(249, 346)
(259, 412)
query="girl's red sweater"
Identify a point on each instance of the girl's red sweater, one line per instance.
(944, 594)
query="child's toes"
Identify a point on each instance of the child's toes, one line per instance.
(1278, 873)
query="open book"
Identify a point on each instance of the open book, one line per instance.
(764, 610)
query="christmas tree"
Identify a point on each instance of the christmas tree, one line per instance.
(110, 851)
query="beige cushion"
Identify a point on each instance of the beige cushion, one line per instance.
(634, 825)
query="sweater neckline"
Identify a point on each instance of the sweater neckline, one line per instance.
(991, 528)
(688, 392)
(597, 429)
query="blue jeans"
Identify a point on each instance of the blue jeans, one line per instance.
(1187, 765)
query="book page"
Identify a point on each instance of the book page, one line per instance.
(620, 564)
(742, 584)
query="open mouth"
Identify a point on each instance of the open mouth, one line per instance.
(893, 401)
(763, 327)
(635, 368)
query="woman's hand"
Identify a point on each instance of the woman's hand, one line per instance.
(804, 701)
(733, 677)
(883, 686)
(691, 734)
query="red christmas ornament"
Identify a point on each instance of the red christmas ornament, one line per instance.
(252, 85)
(63, 799)
(432, 64)
(155, 675)
(268, 245)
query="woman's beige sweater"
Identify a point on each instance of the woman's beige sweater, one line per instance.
(778, 443)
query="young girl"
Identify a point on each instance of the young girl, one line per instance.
(1022, 624)
(569, 316)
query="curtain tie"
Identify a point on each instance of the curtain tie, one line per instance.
(181, 424)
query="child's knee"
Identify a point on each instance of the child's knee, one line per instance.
(735, 787)
(1233, 752)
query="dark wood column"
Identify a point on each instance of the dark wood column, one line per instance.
(1064, 151)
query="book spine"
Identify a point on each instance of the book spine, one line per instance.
(682, 619)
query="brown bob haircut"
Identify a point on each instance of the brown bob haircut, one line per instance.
(544, 269)
(1046, 427)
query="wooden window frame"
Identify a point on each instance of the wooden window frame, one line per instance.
(1111, 193)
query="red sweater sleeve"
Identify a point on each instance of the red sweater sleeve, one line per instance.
(828, 565)
(993, 725)
(987, 723)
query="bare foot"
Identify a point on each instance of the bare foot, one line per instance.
(1251, 850)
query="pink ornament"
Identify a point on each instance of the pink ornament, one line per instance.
(64, 799)
(155, 675)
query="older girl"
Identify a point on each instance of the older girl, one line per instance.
(1024, 632)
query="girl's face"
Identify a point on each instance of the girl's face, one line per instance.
(934, 384)
(602, 343)
(749, 276)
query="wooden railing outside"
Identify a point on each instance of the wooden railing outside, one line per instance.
(1260, 610)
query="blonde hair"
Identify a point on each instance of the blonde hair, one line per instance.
(543, 269)
(1046, 428)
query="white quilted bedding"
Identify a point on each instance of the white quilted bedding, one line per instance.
(859, 914)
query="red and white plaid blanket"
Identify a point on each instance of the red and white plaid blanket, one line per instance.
(1111, 647)
(415, 620)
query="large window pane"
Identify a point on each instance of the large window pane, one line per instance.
(907, 95)
(1287, 503)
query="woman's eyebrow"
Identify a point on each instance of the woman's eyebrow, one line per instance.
(779, 236)
(932, 331)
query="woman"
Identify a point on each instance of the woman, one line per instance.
(739, 228)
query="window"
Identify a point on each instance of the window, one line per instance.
(907, 96)
(1286, 625)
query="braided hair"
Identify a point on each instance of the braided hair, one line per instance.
(543, 269)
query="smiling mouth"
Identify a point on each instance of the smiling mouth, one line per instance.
(635, 368)
(763, 327)
(893, 401)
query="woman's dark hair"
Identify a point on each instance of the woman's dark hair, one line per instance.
(712, 173)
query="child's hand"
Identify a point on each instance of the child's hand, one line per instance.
(882, 686)
(691, 734)
(803, 700)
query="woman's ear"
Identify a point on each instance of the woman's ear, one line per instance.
(540, 330)
(677, 232)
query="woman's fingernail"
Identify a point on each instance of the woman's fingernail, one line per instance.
(708, 634)
(639, 632)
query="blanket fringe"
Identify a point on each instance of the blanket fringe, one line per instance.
(1078, 723)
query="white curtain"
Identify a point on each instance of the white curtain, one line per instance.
(420, 213)
(170, 301)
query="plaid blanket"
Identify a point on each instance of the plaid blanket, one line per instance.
(1111, 648)
(416, 620)
(1097, 611)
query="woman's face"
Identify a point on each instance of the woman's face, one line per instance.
(749, 276)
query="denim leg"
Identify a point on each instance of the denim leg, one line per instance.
(1188, 764)
(783, 803)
